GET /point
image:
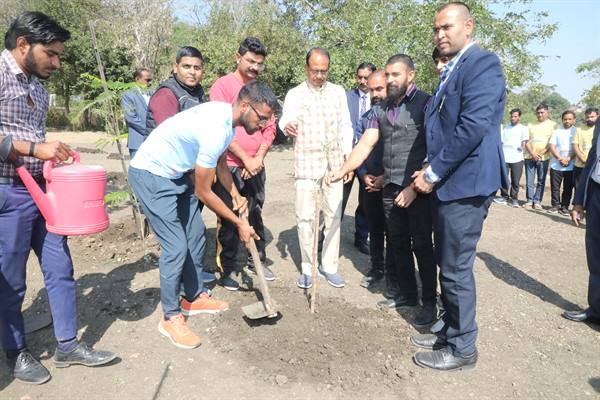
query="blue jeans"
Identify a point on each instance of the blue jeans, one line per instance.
(22, 228)
(172, 209)
(535, 192)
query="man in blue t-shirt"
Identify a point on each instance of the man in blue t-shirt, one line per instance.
(193, 140)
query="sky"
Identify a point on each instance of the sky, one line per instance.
(577, 40)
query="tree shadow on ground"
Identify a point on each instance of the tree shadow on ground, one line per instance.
(517, 278)
(595, 383)
(102, 298)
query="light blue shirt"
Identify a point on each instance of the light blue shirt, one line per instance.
(563, 139)
(197, 136)
(513, 137)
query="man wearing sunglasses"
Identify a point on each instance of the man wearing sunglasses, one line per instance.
(195, 139)
(245, 157)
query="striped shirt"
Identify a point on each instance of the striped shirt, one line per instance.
(324, 128)
(17, 117)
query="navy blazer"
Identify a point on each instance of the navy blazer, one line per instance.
(353, 99)
(462, 121)
(134, 109)
(586, 174)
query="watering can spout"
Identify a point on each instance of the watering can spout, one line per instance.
(40, 198)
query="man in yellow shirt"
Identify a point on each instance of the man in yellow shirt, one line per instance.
(537, 157)
(582, 143)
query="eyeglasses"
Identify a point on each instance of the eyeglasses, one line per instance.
(315, 72)
(259, 65)
(262, 119)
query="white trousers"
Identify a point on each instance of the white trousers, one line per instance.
(331, 209)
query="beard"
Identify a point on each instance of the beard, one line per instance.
(33, 67)
(590, 123)
(376, 100)
(395, 93)
(246, 124)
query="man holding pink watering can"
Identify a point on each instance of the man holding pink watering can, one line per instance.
(34, 44)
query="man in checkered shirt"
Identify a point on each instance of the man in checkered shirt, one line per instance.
(34, 44)
(316, 115)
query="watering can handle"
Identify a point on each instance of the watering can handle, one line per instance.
(49, 165)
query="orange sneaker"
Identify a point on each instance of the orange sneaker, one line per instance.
(204, 304)
(179, 332)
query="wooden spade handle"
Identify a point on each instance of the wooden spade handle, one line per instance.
(264, 288)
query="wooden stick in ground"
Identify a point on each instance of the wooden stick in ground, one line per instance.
(315, 250)
(113, 128)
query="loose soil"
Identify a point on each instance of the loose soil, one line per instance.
(530, 267)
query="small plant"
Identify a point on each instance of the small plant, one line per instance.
(116, 199)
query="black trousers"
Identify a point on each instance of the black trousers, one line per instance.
(515, 172)
(457, 226)
(228, 241)
(361, 228)
(592, 238)
(576, 175)
(409, 231)
(373, 206)
(556, 178)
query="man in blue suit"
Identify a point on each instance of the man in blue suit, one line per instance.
(588, 198)
(466, 167)
(359, 102)
(134, 103)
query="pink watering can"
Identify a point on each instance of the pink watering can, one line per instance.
(74, 200)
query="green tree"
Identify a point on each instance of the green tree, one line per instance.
(591, 97)
(355, 31)
(535, 95)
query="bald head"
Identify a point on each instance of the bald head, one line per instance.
(452, 28)
(377, 86)
(379, 74)
(461, 9)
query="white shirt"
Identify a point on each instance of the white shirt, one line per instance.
(513, 137)
(293, 107)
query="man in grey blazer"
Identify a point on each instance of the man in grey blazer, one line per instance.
(588, 198)
(134, 103)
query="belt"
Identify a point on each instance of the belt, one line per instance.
(16, 180)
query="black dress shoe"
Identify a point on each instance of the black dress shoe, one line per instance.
(444, 360)
(397, 302)
(426, 315)
(428, 341)
(28, 370)
(372, 277)
(580, 316)
(83, 355)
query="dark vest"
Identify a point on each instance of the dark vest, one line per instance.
(186, 97)
(404, 141)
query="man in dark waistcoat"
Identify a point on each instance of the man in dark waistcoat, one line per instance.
(399, 122)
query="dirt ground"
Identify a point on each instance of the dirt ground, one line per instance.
(530, 267)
